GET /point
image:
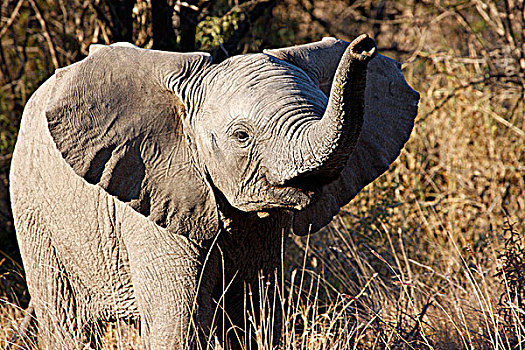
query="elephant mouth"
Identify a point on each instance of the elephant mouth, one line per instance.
(311, 182)
(295, 194)
(301, 190)
(280, 197)
(291, 197)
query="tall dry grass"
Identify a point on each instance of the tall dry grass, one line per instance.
(432, 254)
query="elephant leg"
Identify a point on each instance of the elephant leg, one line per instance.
(171, 296)
(173, 307)
(61, 324)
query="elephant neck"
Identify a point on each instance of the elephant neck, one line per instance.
(249, 244)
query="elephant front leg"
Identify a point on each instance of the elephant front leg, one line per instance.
(173, 314)
(173, 298)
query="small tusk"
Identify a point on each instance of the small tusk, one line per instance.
(263, 214)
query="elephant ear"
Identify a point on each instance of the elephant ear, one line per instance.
(117, 120)
(390, 109)
(319, 60)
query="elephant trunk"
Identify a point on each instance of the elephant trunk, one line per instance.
(331, 140)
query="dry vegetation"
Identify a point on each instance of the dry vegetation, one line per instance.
(432, 255)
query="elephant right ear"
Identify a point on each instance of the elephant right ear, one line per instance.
(316, 59)
(118, 122)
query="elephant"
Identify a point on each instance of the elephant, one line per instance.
(158, 187)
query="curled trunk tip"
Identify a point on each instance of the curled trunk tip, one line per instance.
(362, 48)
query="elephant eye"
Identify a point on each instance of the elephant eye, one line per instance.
(241, 136)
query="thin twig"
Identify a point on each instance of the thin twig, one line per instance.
(505, 122)
(458, 89)
(12, 18)
(27, 321)
(46, 34)
(417, 327)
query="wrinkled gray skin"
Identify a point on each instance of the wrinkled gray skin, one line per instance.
(145, 183)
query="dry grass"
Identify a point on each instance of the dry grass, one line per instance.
(344, 294)
(431, 255)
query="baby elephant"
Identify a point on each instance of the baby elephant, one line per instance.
(156, 186)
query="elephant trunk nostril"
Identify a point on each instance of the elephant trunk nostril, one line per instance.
(363, 48)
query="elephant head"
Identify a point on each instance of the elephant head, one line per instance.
(301, 128)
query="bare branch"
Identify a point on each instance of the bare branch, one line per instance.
(46, 34)
(11, 19)
(252, 10)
